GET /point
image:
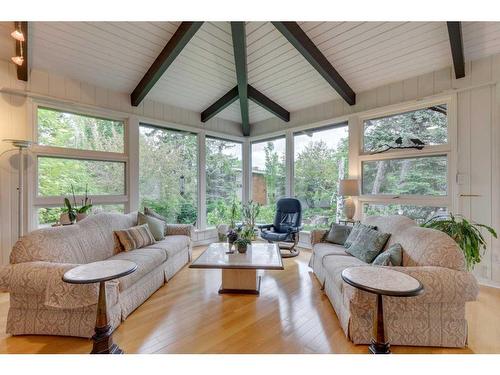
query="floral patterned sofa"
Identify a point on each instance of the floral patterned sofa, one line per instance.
(41, 303)
(435, 318)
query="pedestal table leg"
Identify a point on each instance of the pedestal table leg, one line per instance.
(103, 339)
(379, 344)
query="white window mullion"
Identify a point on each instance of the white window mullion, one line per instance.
(202, 182)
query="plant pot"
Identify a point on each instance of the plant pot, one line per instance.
(64, 219)
(242, 249)
(80, 217)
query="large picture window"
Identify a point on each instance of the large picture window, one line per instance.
(268, 176)
(78, 154)
(168, 173)
(320, 162)
(398, 179)
(223, 178)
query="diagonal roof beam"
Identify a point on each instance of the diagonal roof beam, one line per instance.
(240, 61)
(253, 94)
(229, 98)
(262, 100)
(299, 39)
(175, 45)
(457, 48)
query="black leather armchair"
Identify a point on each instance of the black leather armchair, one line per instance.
(286, 227)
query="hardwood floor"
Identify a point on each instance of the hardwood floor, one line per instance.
(291, 315)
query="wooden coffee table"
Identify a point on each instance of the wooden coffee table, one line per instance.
(100, 272)
(239, 271)
(381, 281)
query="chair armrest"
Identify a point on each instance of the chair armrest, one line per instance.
(265, 226)
(317, 236)
(294, 229)
(45, 278)
(179, 229)
(441, 285)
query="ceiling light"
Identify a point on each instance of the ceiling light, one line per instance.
(18, 60)
(18, 35)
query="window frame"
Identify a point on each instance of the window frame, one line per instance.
(242, 144)
(35, 201)
(449, 150)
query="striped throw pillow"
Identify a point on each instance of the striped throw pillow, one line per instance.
(134, 238)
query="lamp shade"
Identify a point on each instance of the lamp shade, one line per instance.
(349, 187)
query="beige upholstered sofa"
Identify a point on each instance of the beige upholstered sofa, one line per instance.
(435, 318)
(41, 303)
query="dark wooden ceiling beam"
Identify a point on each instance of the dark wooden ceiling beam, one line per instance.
(457, 48)
(240, 61)
(299, 39)
(266, 103)
(230, 97)
(175, 45)
(22, 71)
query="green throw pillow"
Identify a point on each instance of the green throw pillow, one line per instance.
(393, 256)
(356, 230)
(156, 226)
(368, 244)
(338, 233)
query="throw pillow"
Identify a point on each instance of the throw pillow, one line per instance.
(156, 226)
(368, 244)
(150, 212)
(356, 230)
(393, 256)
(135, 237)
(338, 233)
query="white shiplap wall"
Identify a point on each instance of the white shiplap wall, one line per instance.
(478, 128)
(15, 122)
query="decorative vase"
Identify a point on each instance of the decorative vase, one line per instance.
(242, 249)
(80, 217)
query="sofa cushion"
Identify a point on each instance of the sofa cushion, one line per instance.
(156, 226)
(334, 265)
(393, 256)
(147, 259)
(338, 233)
(368, 244)
(355, 232)
(323, 249)
(172, 245)
(135, 237)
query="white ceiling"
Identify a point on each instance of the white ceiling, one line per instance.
(367, 54)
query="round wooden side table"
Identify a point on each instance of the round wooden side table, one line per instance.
(100, 272)
(381, 281)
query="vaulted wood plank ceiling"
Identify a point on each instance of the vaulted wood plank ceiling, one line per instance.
(116, 55)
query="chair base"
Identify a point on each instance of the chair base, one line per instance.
(288, 251)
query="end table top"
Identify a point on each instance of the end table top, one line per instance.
(99, 271)
(259, 255)
(382, 280)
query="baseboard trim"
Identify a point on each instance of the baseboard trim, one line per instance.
(488, 282)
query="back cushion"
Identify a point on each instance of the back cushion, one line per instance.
(88, 241)
(421, 246)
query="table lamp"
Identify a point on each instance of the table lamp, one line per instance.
(349, 188)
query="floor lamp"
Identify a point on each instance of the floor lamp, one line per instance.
(21, 145)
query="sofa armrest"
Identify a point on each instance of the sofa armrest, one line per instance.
(45, 278)
(179, 229)
(317, 236)
(441, 285)
(444, 285)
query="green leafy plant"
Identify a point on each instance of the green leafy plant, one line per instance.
(72, 209)
(249, 212)
(466, 234)
(242, 242)
(233, 214)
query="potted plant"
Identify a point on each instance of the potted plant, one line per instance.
(232, 236)
(72, 212)
(250, 211)
(242, 244)
(466, 234)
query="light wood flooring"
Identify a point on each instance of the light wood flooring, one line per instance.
(292, 315)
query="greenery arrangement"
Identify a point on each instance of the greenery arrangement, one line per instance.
(466, 234)
(74, 210)
(242, 244)
(250, 211)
